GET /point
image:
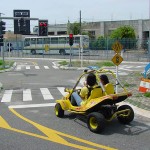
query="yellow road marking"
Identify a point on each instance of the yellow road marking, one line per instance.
(3, 123)
(34, 63)
(52, 135)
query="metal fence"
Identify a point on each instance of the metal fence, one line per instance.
(99, 49)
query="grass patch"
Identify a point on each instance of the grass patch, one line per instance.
(87, 63)
(147, 94)
(7, 64)
(63, 63)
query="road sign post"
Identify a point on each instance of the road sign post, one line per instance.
(9, 50)
(117, 59)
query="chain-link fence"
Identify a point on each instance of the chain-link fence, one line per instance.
(99, 49)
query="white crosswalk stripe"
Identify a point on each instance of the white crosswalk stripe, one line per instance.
(37, 67)
(27, 95)
(62, 90)
(46, 67)
(27, 67)
(7, 96)
(46, 94)
(18, 67)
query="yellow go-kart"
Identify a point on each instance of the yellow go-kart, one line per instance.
(101, 109)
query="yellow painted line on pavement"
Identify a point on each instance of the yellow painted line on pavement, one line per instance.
(52, 135)
(35, 63)
(3, 123)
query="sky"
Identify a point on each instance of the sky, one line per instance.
(60, 11)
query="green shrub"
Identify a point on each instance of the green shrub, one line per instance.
(147, 94)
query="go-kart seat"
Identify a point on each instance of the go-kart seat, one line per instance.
(95, 93)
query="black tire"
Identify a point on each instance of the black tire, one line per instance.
(59, 111)
(33, 51)
(96, 122)
(129, 118)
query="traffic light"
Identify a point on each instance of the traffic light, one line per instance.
(22, 25)
(43, 27)
(1, 40)
(2, 27)
(71, 39)
(2, 31)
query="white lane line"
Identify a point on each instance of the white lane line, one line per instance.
(129, 67)
(37, 67)
(46, 67)
(46, 94)
(27, 67)
(61, 90)
(7, 96)
(27, 95)
(32, 105)
(139, 67)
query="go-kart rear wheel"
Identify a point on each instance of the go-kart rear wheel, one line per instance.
(59, 111)
(96, 122)
(125, 119)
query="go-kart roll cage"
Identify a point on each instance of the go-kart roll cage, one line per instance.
(97, 72)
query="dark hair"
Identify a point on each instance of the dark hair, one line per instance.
(104, 78)
(91, 79)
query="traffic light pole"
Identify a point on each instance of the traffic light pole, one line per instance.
(70, 65)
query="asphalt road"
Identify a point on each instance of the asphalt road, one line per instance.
(28, 121)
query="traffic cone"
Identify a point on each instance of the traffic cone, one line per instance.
(144, 85)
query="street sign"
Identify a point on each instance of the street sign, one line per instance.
(26, 23)
(117, 47)
(46, 48)
(9, 46)
(117, 59)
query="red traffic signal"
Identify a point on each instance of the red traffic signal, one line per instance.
(43, 27)
(71, 39)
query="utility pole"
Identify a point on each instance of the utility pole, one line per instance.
(80, 22)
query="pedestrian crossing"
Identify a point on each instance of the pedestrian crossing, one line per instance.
(28, 95)
(36, 67)
(27, 67)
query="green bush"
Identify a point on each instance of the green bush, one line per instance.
(147, 94)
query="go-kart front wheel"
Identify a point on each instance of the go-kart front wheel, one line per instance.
(59, 111)
(96, 122)
(125, 117)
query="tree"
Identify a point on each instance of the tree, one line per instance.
(74, 28)
(126, 36)
(123, 32)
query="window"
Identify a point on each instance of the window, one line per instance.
(46, 40)
(54, 40)
(33, 41)
(39, 41)
(62, 40)
(51, 33)
(61, 32)
(27, 42)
